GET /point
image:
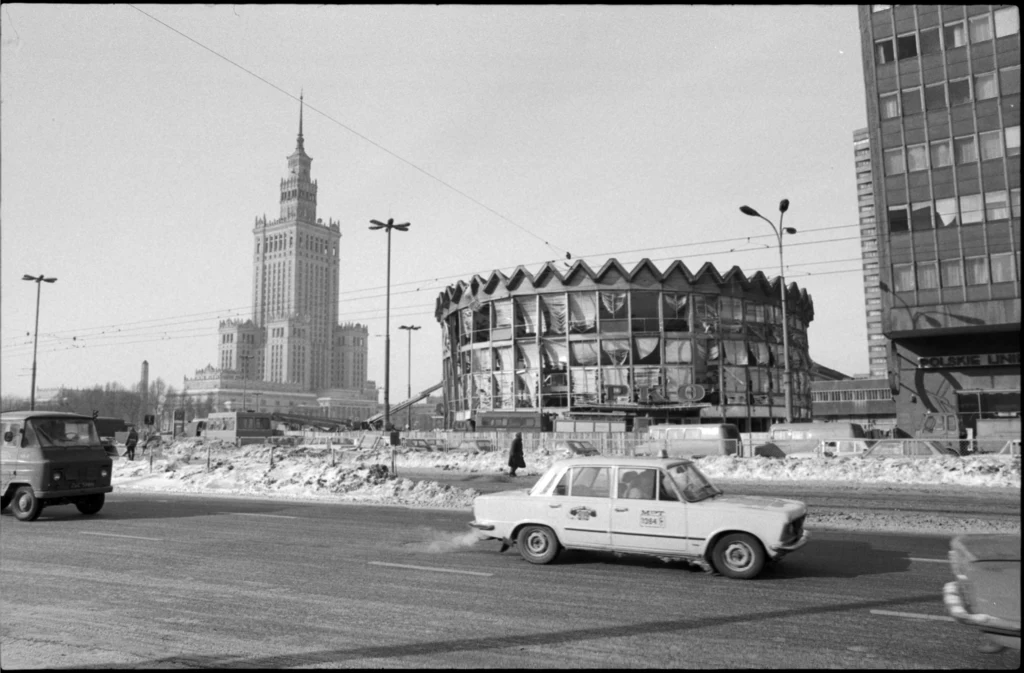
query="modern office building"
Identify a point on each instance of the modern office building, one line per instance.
(669, 347)
(878, 345)
(293, 355)
(943, 109)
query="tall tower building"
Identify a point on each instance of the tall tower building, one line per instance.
(943, 110)
(878, 349)
(292, 354)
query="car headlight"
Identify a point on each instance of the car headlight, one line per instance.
(104, 471)
(57, 475)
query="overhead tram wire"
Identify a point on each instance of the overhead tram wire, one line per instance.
(112, 331)
(360, 135)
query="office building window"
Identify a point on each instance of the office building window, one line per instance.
(927, 276)
(1015, 202)
(898, 219)
(921, 216)
(996, 206)
(1002, 267)
(894, 161)
(917, 157)
(911, 99)
(889, 106)
(1012, 140)
(985, 86)
(930, 41)
(952, 273)
(981, 28)
(945, 212)
(942, 154)
(991, 145)
(959, 91)
(971, 211)
(1009, 80)
(903, 277)
(906, 46)
(1007, 21)
(954, 35)
(977, 270)
(884, 52)
(935, 97)
(965, 150)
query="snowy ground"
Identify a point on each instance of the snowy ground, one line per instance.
(304, 473)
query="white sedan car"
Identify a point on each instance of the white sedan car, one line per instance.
(663, 507)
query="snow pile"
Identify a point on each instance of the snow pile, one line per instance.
(364, 476)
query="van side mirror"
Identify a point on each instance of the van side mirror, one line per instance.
(8, 436)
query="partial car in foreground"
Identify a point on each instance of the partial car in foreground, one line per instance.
(663, 507)
(909, 448)
(986, 591)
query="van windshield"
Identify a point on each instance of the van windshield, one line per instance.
(62, 432)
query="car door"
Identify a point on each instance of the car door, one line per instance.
(647, 514)
(580, 505)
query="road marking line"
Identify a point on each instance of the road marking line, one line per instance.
(134, 537)
(276, 516)
(930, 560)
(913, 615)
(436, 570)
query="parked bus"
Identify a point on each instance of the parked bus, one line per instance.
(240, 427)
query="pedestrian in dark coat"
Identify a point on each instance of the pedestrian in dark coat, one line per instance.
(515, 455)
(130, 442)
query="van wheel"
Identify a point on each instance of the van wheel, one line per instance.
(90, 504)
(25, 505)
(738, 555)
(538, 544)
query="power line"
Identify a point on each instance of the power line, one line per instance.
(358, 134)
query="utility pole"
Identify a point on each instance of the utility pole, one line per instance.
(38, 280)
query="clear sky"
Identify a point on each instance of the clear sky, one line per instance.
(139, 144)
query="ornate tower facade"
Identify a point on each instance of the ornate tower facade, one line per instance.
(295, 282)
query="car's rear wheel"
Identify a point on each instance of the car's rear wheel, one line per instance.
(25, 505)
(90, 504)
(538, 544)
(738, 555)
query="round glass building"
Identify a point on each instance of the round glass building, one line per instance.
(672, 346)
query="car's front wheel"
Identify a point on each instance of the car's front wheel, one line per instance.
(538, 544)
(738, 555)
(90, 504)
(25, 505)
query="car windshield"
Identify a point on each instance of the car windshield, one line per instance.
(692, 483)
(61, 432)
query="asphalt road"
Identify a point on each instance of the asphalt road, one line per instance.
(164, 581)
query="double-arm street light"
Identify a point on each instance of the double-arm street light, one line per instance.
(38, 280)
(387, 318)
(779, 231)
(410, 329)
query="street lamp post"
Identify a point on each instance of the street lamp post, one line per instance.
(387, 317)
(410, 329)
(38, 280)
(779, 231)
(245, 377)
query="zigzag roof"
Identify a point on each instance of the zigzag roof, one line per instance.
(613, 276)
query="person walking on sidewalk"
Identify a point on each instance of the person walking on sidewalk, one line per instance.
(130, 442)
(515, 455)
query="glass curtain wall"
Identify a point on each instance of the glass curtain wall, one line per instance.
(583, 348)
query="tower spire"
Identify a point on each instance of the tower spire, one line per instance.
(298, 144)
